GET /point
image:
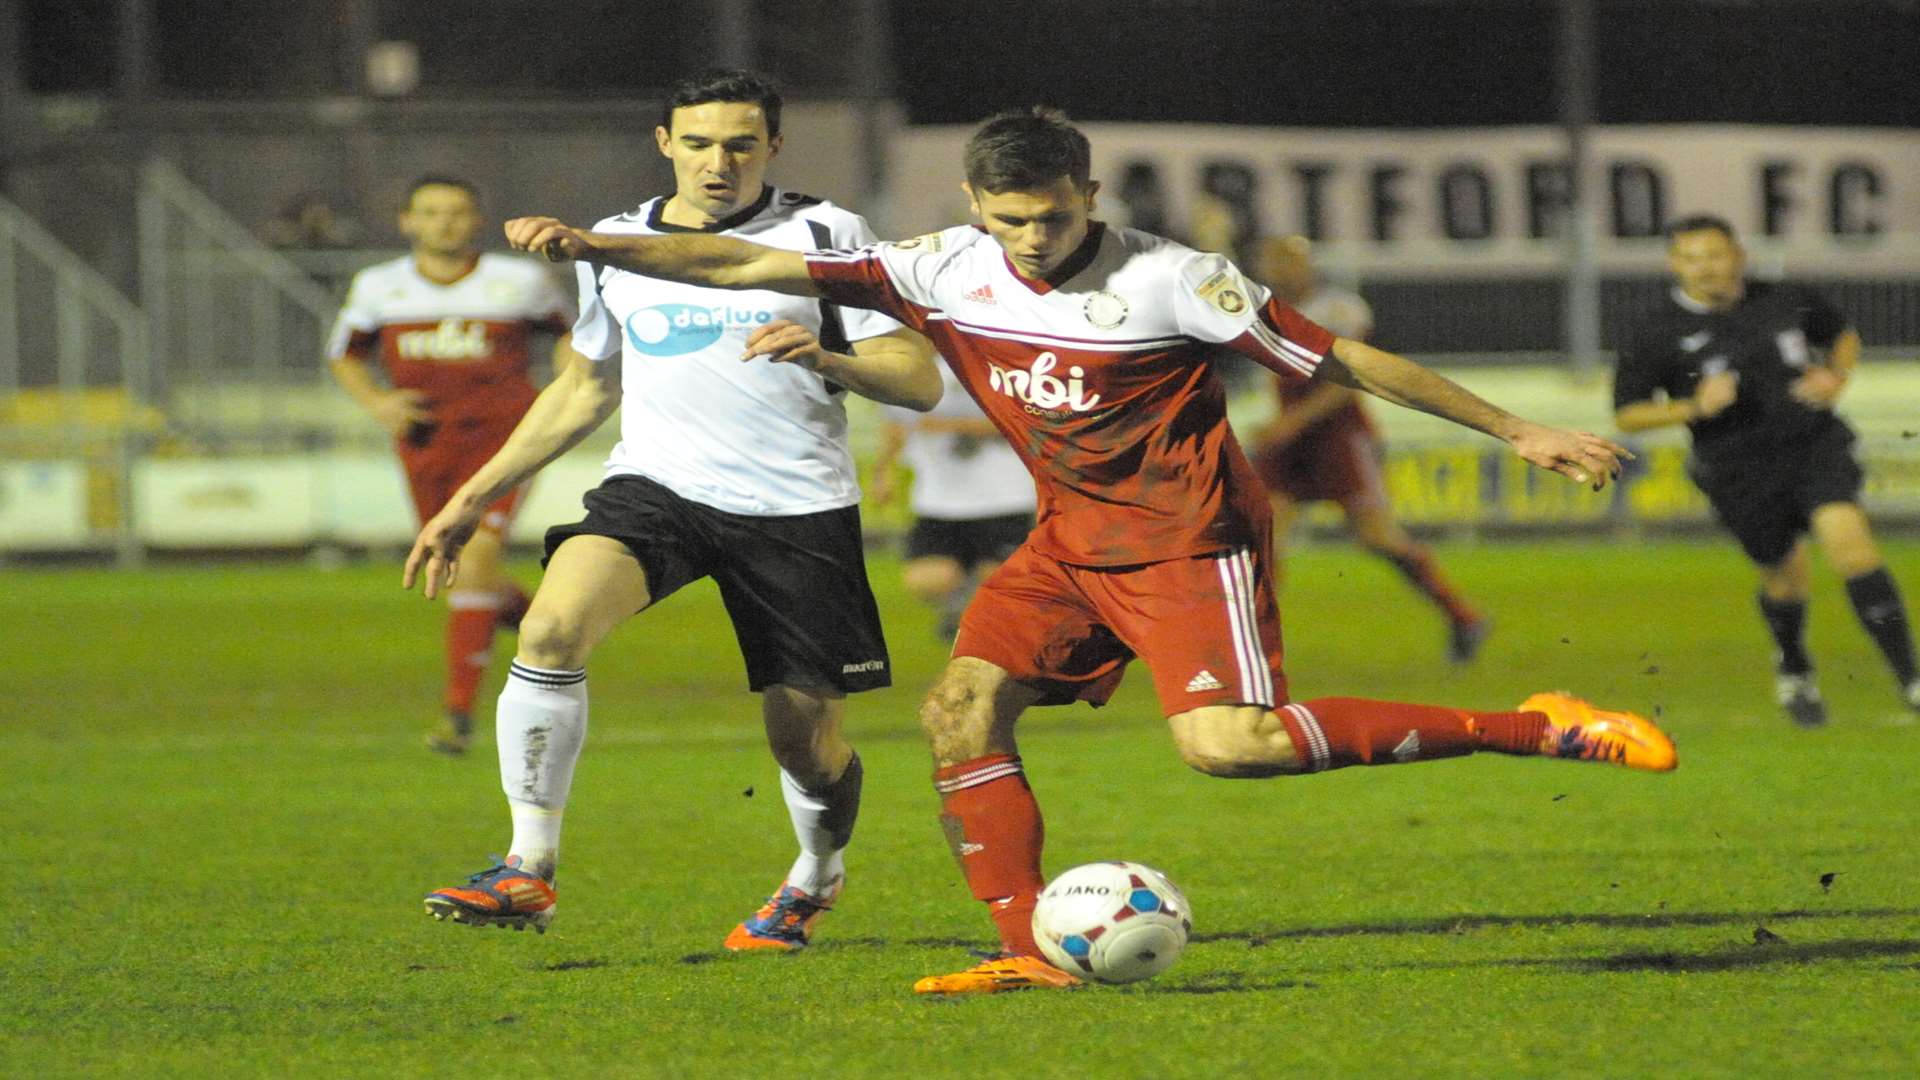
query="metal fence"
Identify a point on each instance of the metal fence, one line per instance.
(54, 304)
(235, 324)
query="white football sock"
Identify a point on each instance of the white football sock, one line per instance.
(823, 823)
(540, 726)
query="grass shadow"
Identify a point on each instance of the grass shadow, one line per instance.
(1467, 924)
(1738, 957)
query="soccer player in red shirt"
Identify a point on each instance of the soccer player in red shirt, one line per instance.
(1323, 446)
(452, 328)
(1089, 347)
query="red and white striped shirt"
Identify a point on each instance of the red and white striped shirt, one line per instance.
(1102, 377)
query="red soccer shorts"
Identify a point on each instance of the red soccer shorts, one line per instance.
(1207, 626)
(433, 480)
(1336, 460)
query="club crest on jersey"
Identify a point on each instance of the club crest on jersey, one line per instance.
(1105, 310)
(1040, 388)
(1224, 291)
(453, 339)
(678, 329)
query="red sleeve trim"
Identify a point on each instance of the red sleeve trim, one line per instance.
(1284, 341)
(858, 279)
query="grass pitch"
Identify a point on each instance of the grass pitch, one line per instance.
(221, 822)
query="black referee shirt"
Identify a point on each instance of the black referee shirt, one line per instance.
(1768, 337)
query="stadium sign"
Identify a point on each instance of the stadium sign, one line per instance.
(1821, 201)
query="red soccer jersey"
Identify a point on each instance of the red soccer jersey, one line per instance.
(1100, 377)
(464, 344)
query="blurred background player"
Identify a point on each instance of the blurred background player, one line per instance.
(733, 464)
(1322, 445)
(1754, 370)
(1093, 354)
(972, 500)
(452, 328)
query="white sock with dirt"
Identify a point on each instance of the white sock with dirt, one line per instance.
(540, 726)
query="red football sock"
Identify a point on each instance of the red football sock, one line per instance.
(1332, 733)
(993, 824)
(469, 645)
(1420, 569)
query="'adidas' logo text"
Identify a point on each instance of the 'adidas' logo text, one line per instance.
(981, 295)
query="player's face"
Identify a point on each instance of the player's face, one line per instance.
(442, 219)
(1708, 265)
(1038, 228)
(720, 151)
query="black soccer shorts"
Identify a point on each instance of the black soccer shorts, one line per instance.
(795, 586)
(969, 541)
(1767, 500)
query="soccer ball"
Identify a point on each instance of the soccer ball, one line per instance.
(1112, 922)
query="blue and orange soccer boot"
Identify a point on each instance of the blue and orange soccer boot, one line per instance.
(999, 975)
(501, 895)
(1578, 731)
(784, 922)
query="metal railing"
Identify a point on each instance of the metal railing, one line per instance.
(75, 366)
(52, 304)
(234, 322)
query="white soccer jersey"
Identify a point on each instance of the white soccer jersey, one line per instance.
(1342, 311)
(961, 477)
(750, 437)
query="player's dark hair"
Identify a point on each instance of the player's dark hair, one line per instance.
(726, 84)
(440, 180)
(1025, 149)
(1698, 222)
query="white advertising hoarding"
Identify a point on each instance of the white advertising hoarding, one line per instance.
(226, 503)
(1819, 201)
(43, 505)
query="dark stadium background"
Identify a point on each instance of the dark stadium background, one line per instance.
(1373, 63)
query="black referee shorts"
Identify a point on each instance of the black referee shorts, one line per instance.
(794, 586)
(968, 541)
(1767, 500)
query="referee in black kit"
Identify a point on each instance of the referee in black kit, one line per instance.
(1753, 370)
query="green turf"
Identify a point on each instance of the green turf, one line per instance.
(220, 824)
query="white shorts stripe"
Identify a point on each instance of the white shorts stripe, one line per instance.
(1250, 607)
(1237, 580)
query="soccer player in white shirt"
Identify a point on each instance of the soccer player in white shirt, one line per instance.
(972, 500)
(733, 464)
(1093, 350)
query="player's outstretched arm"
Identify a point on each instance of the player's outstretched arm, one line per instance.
(895, 368)
(578, 400)
(721, 262)
(1578, 455)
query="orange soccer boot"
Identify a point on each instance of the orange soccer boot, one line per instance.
(784, 922)
(998, 975)
(501, 895)
(1580, 732)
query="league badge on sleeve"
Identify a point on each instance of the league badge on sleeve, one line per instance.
(931, 241)
(1224, 291)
